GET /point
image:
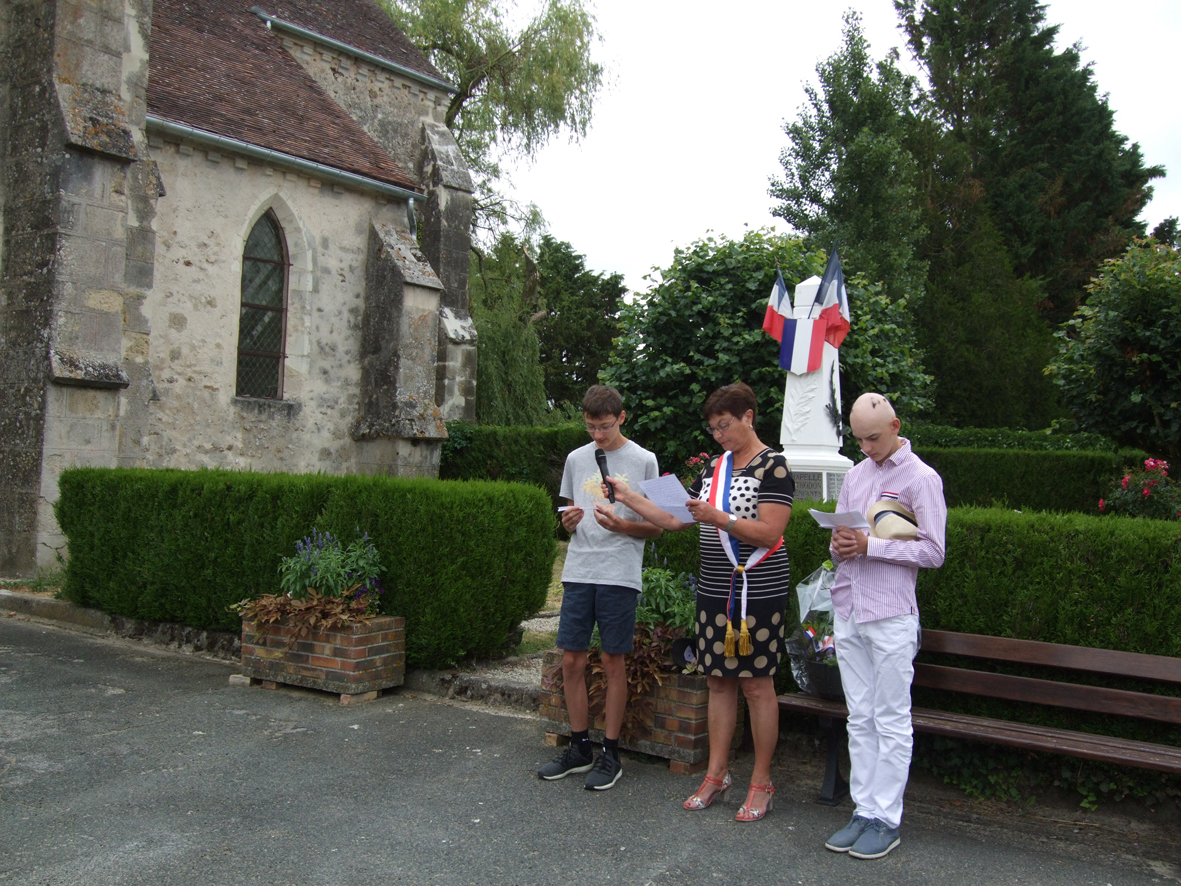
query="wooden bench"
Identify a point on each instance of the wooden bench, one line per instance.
(1158, 669)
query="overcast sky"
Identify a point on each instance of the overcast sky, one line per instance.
(688, 133)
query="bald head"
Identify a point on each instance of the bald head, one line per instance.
(875, 426)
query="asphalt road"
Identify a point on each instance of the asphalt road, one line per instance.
(121, 764)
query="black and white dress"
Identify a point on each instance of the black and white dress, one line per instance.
(766, 480)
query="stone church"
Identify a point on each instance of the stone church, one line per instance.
(231, 236)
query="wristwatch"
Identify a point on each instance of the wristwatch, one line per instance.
(730, 525)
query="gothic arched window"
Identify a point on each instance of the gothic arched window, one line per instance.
(262, 322)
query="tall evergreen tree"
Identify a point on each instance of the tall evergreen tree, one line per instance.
(582, 319)
(510, 386)
(849, 175)
(1062, 186)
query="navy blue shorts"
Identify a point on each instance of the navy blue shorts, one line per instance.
(612, 606)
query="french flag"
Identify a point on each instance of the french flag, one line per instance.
(833, 301)
(802, 347)
(778, 307)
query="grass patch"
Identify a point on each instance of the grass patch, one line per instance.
(553, 597)
(48, 583)
(536, 641)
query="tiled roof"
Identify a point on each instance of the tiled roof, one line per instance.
(215, 66)
(359, 23)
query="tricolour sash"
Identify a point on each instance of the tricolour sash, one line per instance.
(719, 497)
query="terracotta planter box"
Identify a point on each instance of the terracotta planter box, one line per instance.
(679, 731)
(357, 661)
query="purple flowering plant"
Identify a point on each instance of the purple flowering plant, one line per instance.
(325, 586)
(322, 564)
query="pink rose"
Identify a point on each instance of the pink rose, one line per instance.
(1147, 492)
(1124, 482)
(1101, 505)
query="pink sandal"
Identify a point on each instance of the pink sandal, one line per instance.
(746, 813)
(696, 803)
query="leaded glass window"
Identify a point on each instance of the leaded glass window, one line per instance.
(262, 320)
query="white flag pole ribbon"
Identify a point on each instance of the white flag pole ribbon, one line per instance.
(719, 497)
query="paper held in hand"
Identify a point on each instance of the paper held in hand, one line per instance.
(852, 519)
(668, 494)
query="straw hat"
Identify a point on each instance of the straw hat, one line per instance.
(888, 519)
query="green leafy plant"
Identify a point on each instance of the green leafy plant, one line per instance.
(325, 586)
(322, 564)
(1145, 492)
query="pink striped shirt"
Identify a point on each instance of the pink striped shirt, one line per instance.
(881, 584)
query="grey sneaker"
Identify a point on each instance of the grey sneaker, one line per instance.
(570, 760)
(877, 841)
(843, 840)
(606, 772)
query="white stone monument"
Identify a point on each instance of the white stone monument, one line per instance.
(810, 432)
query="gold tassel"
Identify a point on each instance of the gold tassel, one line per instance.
(745, 647)
(729, 648)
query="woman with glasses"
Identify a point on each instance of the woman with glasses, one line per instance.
(742, 501)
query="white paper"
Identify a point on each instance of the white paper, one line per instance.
(668, 494)
(852, 519)
(569, 508)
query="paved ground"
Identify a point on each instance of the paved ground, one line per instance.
(121, 763)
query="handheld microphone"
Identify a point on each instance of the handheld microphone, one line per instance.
(601, 458)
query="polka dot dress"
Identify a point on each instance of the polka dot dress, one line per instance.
(766, 480)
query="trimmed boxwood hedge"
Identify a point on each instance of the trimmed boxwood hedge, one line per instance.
(1106, 582)
(1037, 478)
(1028, 480)
(465, 561)
(522, 455)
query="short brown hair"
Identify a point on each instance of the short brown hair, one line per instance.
(734, 399)
(602, 400)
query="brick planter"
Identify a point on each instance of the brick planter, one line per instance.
(356, 661)
(680, 729)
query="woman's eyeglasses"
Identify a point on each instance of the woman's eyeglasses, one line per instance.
(721, 428)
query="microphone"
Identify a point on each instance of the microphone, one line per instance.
(601, 458)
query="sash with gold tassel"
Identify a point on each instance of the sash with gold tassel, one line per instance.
(719, 497)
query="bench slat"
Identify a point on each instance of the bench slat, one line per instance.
(1100, 699)
(1101, 748)
(1078, 658)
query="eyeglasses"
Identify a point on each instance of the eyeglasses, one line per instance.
(721, 428)
(591, 429)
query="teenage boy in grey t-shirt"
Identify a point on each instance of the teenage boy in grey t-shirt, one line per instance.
(601, 581)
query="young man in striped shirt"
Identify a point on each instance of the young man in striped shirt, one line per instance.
(876, 621)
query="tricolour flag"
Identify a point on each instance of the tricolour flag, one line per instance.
(833, 301)
(773, 319)
(802, 347)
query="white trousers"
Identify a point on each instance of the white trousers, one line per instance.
(877, 666)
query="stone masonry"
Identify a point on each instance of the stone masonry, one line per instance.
(121, 243)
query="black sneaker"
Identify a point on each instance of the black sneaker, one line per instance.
(606, 772)
(570, 760)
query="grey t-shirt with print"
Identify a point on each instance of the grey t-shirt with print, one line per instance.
(597, 555)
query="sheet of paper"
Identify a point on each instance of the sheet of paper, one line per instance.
(569, 508)
(668, 494)
(852, 519)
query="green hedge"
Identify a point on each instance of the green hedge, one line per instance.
(1048, 474)
(465, 561)
(942, 437)
(1028, 479)
(522, 455)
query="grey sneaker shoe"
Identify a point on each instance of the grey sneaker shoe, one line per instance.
(843, 840)
(878, 840)
(570, 760)
(606, 772)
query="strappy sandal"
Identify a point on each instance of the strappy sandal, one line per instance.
(746, 813)
(722, 785)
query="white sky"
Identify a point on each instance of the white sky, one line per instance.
(688, 133)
